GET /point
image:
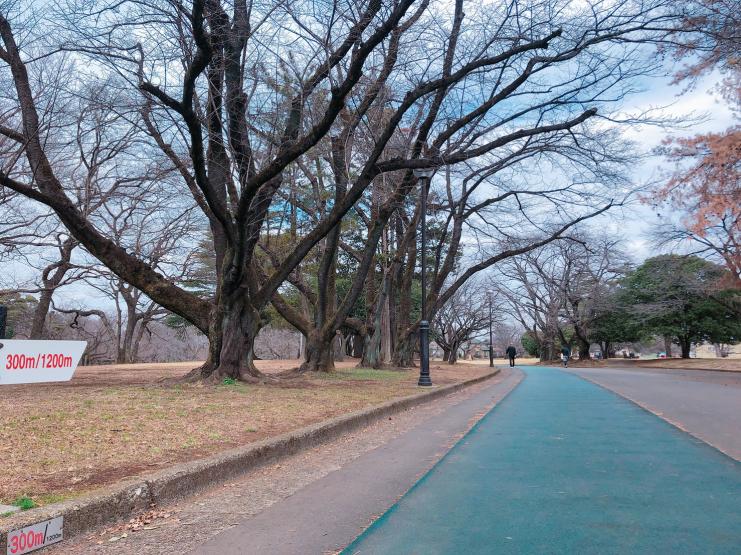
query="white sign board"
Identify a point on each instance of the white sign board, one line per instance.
(35, 536)
(38, 361)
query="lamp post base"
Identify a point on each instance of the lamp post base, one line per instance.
(424, 381)
(424, 354)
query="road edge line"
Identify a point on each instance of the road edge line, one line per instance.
(652, 412)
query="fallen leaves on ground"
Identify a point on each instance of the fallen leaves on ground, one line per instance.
(121, 421)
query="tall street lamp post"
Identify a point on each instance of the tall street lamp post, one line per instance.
(424, 175)
(491, 332)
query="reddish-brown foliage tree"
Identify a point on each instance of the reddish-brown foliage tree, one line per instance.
(706, 180)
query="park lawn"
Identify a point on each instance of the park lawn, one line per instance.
(725, 364)
(111, 422)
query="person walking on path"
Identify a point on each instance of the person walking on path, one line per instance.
(565, 355)
(511, 353)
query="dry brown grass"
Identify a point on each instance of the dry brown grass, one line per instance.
(725, 364)
(111, 422)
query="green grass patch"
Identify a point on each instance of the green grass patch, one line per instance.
(25, 503)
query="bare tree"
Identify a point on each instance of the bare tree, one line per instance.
(719, 241)
(533, 302)
(135, 224)
(588, 267)
(91, 164)
(461, 320)
(236, 95)
(506, 333)
(560, 290)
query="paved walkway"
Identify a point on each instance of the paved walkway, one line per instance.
(327, 514)
(315, 501)
(564, 466)
(705, 404)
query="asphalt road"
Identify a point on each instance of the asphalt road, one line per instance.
(705, 404)
(564, 466)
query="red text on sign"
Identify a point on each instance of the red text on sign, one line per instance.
(23, 362)
(26, 540)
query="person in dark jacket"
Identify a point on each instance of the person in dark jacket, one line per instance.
(565, 355)
(511, 353)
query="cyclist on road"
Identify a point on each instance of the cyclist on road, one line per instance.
(565, 355)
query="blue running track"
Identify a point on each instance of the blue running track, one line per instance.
(564, 466)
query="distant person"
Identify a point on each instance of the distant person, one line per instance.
(511, 354)
(565, 355)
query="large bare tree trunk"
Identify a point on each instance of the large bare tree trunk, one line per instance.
(135, 345)
(338, 345)
(385, 325)
(39, 314)
(319, 354)
(584, 353)
(374, 355)
(232, 333)
(357, 346)
(547, 345)
(686, 345)
(404, 352)
(124, 353)
(51, 277)
(384, 322)
(668, 346)
(372, 350)
(453, 358)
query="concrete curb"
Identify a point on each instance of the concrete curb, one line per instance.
(128, 497)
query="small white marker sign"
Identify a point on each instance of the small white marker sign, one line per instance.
(24, 361)
(35, 536)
